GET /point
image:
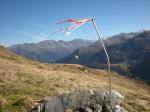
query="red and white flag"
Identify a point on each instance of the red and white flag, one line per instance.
(75, 24)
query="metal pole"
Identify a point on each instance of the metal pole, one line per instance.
(108, 61)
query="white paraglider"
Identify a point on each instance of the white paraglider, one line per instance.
(76, 57)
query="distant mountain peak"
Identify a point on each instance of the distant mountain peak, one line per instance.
(48, 50)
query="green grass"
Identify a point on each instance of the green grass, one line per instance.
(23, 81)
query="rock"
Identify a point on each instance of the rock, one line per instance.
(76, 111)
(97, 108)
(54, 104)
(87, 109)
(81, 101)
(116, 97)
(65, 97)
(117, 108)
(106, 108)
(69, 110)
(98, 96)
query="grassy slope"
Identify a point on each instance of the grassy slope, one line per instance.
(21, 78)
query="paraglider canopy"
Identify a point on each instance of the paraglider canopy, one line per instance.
(76, 57)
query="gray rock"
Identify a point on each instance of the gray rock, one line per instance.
(80, 100)
(117, 108)
(98, 97)
(97, 108)
(76, 111)
(106, 108)
(116, 97)
(87, 109)
(69, 110)
(54, 104)
(64, 97)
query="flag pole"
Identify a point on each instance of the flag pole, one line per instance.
(108, 61)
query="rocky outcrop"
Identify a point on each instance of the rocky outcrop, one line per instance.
(82, 101)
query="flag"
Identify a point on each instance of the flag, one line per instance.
(75, 24)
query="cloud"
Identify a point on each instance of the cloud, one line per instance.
(49, 30)
(42, 26)
(38, 37)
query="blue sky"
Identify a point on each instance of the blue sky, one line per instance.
(24, 21)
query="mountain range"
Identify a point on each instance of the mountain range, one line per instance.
(48, 51)
(129, 55)
(85, 53)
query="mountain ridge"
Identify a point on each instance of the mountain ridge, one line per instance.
(48, 51)
(86, 52)
(125, 56)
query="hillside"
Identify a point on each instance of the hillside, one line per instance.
(23, 81)
(48, 51)
(134, 54)
(130, 57)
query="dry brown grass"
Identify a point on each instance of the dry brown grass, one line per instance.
(20, 78)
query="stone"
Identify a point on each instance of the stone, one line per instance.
(81, 101)
(87, 109)
(76, 111)
(97, 108)
(116, 97)
(69, 110)
(117, 108)
(64, 97)
(98, 96)
(106, 108)
(54, 104)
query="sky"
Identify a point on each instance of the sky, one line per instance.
(30, 21)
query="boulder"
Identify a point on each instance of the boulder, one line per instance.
(87, 109)
(96, 108)
(116, 98)
(117, 108)
(69, 110)
(81, 101)
(54, 104)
